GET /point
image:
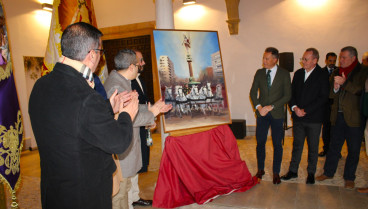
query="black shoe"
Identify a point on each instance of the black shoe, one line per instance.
(322, 154)
(142, 202)
(310, 178)
(276, 179)
(289, 175)
(259, 174)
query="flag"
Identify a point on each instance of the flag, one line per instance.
(11, 127)
(66, 12)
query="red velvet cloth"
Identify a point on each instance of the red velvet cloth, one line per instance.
(197, 168)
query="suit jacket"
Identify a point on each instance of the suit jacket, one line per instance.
(278, 95)
(310, 95)
(143, 99)
(76, 135)
(330, 100)
(131, 160)
(349, 96)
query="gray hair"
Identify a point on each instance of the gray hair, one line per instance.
(352, 51)
(314, 51)
(124, 58)
(79, 39)
(273, 51)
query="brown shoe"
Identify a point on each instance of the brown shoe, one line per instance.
(260, 173)
(276, 178)
(349, 184)
(363, 190)
(322, 177)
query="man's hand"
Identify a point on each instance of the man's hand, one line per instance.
(159, 107)
(131, 107)
(299, 112)
(126, 99)
(152, 127)
(340, 79)
(116, 99)
(336, 86)
(264, 110)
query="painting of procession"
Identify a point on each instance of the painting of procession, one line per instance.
(191, 78)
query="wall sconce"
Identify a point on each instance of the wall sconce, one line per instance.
(187, 2)
(47, 7)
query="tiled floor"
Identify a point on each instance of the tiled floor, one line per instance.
(287, 195)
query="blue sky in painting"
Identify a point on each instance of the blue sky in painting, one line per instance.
(203, 44)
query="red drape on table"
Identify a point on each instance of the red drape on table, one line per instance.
(197, 168)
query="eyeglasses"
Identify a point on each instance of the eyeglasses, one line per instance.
(102, 51)
(304, 59)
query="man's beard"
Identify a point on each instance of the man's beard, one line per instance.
(140, 69)
(331, 66)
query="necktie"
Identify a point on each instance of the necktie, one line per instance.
(269, 79)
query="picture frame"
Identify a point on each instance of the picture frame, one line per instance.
(191, 78)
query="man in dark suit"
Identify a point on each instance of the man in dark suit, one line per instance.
(326, 128)
(310, 90)
(346, 92)
(74, 126)
(271, 90)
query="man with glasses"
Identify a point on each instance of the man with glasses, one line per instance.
(138, 85)
(271, 90)
(74, 126)
(310, 90)
(346, 92)
(126, 69)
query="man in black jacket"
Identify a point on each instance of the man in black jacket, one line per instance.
(326, 128)
(310, 90)
(74, 126)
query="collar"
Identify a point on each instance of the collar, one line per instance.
(310, 71)
(273, 69)
(81, 68)
(120, 75)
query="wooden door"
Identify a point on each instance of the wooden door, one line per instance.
(140, 43)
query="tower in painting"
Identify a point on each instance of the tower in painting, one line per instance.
(186, 43)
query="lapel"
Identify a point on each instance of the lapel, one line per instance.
(276, 79)
(313, 76)
(263, 79)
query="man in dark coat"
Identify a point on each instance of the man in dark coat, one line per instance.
(74, 126)
(310, 91)
(326, 128)
(346, 92)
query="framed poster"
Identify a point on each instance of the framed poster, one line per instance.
(191, 78)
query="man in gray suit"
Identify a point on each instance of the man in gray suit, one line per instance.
(126, 65)
(271, 90)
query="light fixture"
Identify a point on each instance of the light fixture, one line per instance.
(47, 7)
(187, 2)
